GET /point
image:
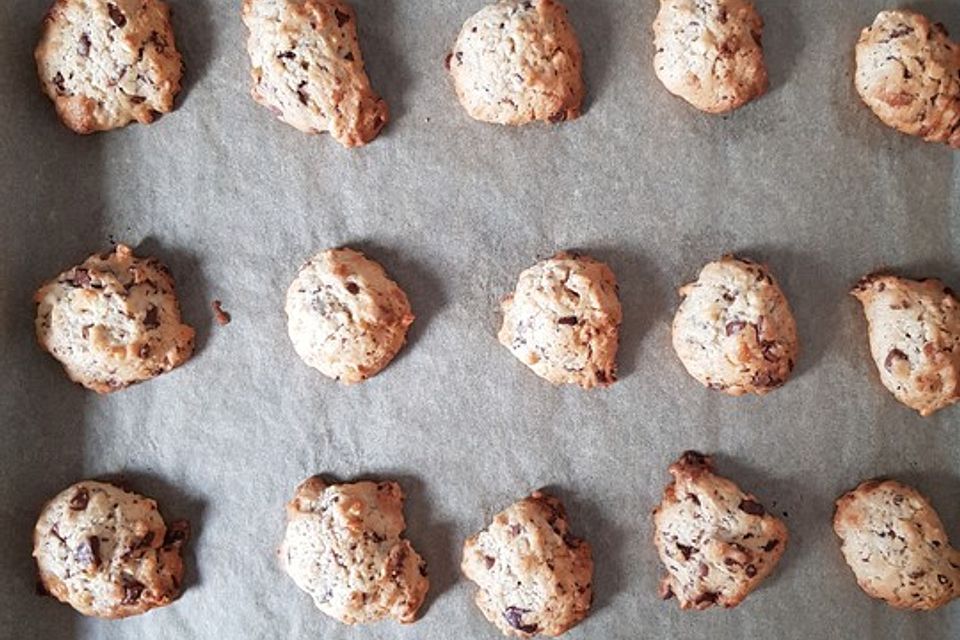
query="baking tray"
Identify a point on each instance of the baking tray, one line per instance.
(805, 179)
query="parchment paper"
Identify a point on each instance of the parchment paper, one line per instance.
(234, 201)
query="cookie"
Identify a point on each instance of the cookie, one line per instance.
(113, 321)
(516, 61)
(343, 547)
(563, 321)
(896, 546)
(708, 52)
(716, 542)
(107, 552)
(308, 70)
(533, 576)
(345, 316)
(734, 331)
(106, 64)
(914, 331)
(908, 73)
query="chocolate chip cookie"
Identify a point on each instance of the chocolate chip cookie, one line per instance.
(533, 576)
(113, 321)
(106, 63)
(908, 73)
(346, 317)
(107, 552)
(308, 69)
(716, 542)
(914, 332)
(516, 61)
(708, 52)
(734, 331)
(343, 547)
(563, 321)
(896, 545)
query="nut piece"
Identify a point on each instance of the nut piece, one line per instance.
(516, 61)
(343, 547)
(716, 542)
(534, 576)
(914, 331)
(896, 545)
(908, 73)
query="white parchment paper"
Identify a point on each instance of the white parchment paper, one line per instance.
(805, 179)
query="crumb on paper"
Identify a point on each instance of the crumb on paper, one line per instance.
(222, 317)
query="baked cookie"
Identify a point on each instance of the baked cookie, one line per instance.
(516, 61)
(533, 576)
(734, 331)
(914, 331)
(563, 321)
(345, 316)
(908, 73)
(896, 545)
(709, 52)
(108, 63)
(113, 321)
(343, 547)
(716, 542)
(107, 552)
(308, 69)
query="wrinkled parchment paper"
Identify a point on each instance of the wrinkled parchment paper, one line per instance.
(234, 201)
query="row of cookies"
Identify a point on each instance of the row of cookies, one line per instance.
(114, 320)
(108, 552)
(106, 63)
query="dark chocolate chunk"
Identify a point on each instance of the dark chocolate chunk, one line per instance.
(116, 15)
(342, 18)
(514, 617)
(752, 507)
(80, 499)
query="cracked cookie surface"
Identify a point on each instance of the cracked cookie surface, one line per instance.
(534, 577)
(108, 63)
(343, 547)
(708, 52)
(908, 73)
(716, 542)
(563, 321)
(307, 68)
(113, 321)
(517, 61)
(345, 316)
(896, 546)
(914, 332)
(107, 552)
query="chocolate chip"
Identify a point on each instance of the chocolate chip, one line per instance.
(132, 589)
(752, 507)
(446, 61)
(703, 570)
(694, 459)
(750, 571)
(159, 42)
(686, 550)
(348, 56)
(301, 94)
(489, 561)
(514, 617)
(901, 31)
(88, 552)
(146, 540)
(722, 15)
(84, 47)
(137, 99)
(116, 15)
(568, 320)
(571, 540)
(709, 596)
(286, 55)
(144, 351)
(151, 319)
(352, 288)
(459, 56)
(559, 116)
(342, 18)
(693, 498)
(58, 82)
(80, 500)
(735, 327)
(893, 356)
(770, 546)
(177, 533)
